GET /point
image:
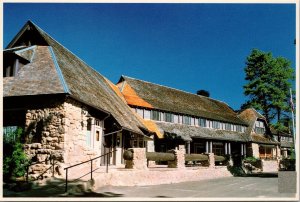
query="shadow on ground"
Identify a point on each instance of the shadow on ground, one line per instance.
(262, 175)
(53, 188)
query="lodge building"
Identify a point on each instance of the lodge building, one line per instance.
(68, 110)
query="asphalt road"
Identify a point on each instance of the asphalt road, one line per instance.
(250, 187)
(257, 187)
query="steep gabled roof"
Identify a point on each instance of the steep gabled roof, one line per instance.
(250, 115)
(76, 78)
(150, 95)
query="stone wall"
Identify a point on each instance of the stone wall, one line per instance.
(58, 132)
(255, 150)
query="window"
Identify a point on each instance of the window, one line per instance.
(140, 112)
(155, 115)
(169, 117)
(227, 126)
(199, 148)
(192, 121)
(282, 138)
(239, 128)
(216, 124)
(259, 127)
(218, 148)
(9, 133)
(88, 133)
(146, 114)
(97, 122)
(161, 118)
(209, 124)
(187, 120)
(180, 119)
(202, 122)
(97, 135)
(176, 118)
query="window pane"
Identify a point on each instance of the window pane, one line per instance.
(146, 114)
(140, 112)
(187, 120)
(202, 122)
(155, 115)
(169, 117)
(192, 121)
(176, 118)
(88, 138)
(9, 133)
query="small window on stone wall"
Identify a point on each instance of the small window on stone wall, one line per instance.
(88, 133)
(97, 135)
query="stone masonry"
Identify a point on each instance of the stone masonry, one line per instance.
(179, 161)
(139, 160)
(56, 132)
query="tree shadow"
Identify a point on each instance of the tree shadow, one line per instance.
(53, 188)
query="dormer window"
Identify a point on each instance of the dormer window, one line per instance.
(260, 127)
(11, 68)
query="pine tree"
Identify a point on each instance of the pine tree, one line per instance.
(269, 80)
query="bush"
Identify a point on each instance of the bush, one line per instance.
(14, 158)
(251, 159)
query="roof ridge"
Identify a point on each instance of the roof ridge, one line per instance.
(40, 29)
(178, 90)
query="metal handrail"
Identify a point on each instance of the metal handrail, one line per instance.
(53, 163)
(91, 160)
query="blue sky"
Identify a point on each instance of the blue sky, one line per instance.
(184, 46)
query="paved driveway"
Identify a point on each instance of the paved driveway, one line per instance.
(253, 187)
(249, 187)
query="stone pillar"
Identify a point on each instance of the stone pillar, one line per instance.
(150, 148)
(255, 150)
(179, 161)
(211, 160)
(139, 160)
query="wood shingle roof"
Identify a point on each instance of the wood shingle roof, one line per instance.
(176, 101)
(73, 76)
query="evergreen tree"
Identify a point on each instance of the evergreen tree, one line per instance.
(268, 84)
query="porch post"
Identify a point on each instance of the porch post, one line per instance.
(245, 150)
(206, 147)
(210, 147)
(226, 148)
(188, 147)
(242, 149)
(229, 148)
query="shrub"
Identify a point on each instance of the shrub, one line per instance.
(14, 158)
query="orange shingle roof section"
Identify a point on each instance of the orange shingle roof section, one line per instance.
(132, 98)
(151, 125)
(115, 88)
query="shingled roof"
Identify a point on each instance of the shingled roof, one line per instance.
(54, 69)
(145, 94)
(250, 115)
(187, 132)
